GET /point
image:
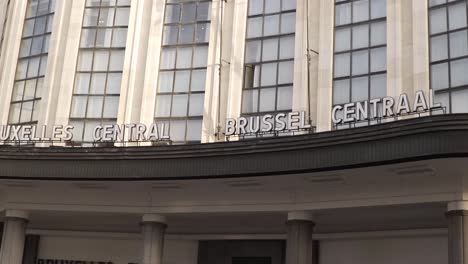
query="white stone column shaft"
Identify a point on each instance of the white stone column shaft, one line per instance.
(211, 118)
(457, 216)
(153, 231)
(299, 243)
(14, 235)
(236, 73)
(69, 62)
(325, 65)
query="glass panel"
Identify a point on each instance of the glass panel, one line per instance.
(284, 98)
(458, 72)
(439, 76)
(439, 48)
(179, 105)
(267, 100)
(196, 104)
(458, 44)
(163, 106)
(360, 89)
(341, 91)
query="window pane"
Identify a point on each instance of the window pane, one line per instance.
(360, 62)
(458, 44)
(253, 50)
(95, 107)
(284, 98)
(250, 101)
(341, 91)
(378, 86)
(101, 60)
(172, 14)
(111, 107)
(198, 80)
(163, 105)
(438, 20)
(270, 49)
(287, 47)
(78, 108)
(342, 39)
(360, 89)
(342, 65)
(82, 83)
(186, 34)
(119, 37)
(171, 34)
(458, 72)
(269, 74)
(255, 7)
(200, 56)
(271, 25)
(286, 72)
(194, 130)
(113, 83)
(343, 14)
(378, 33)
(378, 59)
(166, 80)
(168, 58)
(179, 105)
(121, 16)
(267, 100)
(360, 36)
(457, 16)
(439, 48)
(196, 104)
(439, 76)
(98, 83)
(184, 58)
(182, 81)
(288, 23)
(360, 10)
(378, 8)
(117, 60)
(460, 101)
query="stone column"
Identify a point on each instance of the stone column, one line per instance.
(14, 234)
(457, 213)
(299, 238)
(153, 229)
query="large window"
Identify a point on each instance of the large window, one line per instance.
(182, 72)
(449, 53)
(360, 63)
(100, 64)
(32, 62)
(269, 57)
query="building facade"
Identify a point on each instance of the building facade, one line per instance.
(238, 131)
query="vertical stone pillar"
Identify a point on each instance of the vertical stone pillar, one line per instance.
(14, 234)
(153, 229)
(299, 243)
(457, 213)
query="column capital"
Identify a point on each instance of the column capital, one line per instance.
(457, 206)
(154, 218)
(301, 215)
(11, 213)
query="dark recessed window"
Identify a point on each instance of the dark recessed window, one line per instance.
(182, 70)
(360, 60)
(269, 57)
(98, 77)
(448, 29)
(32, 62)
